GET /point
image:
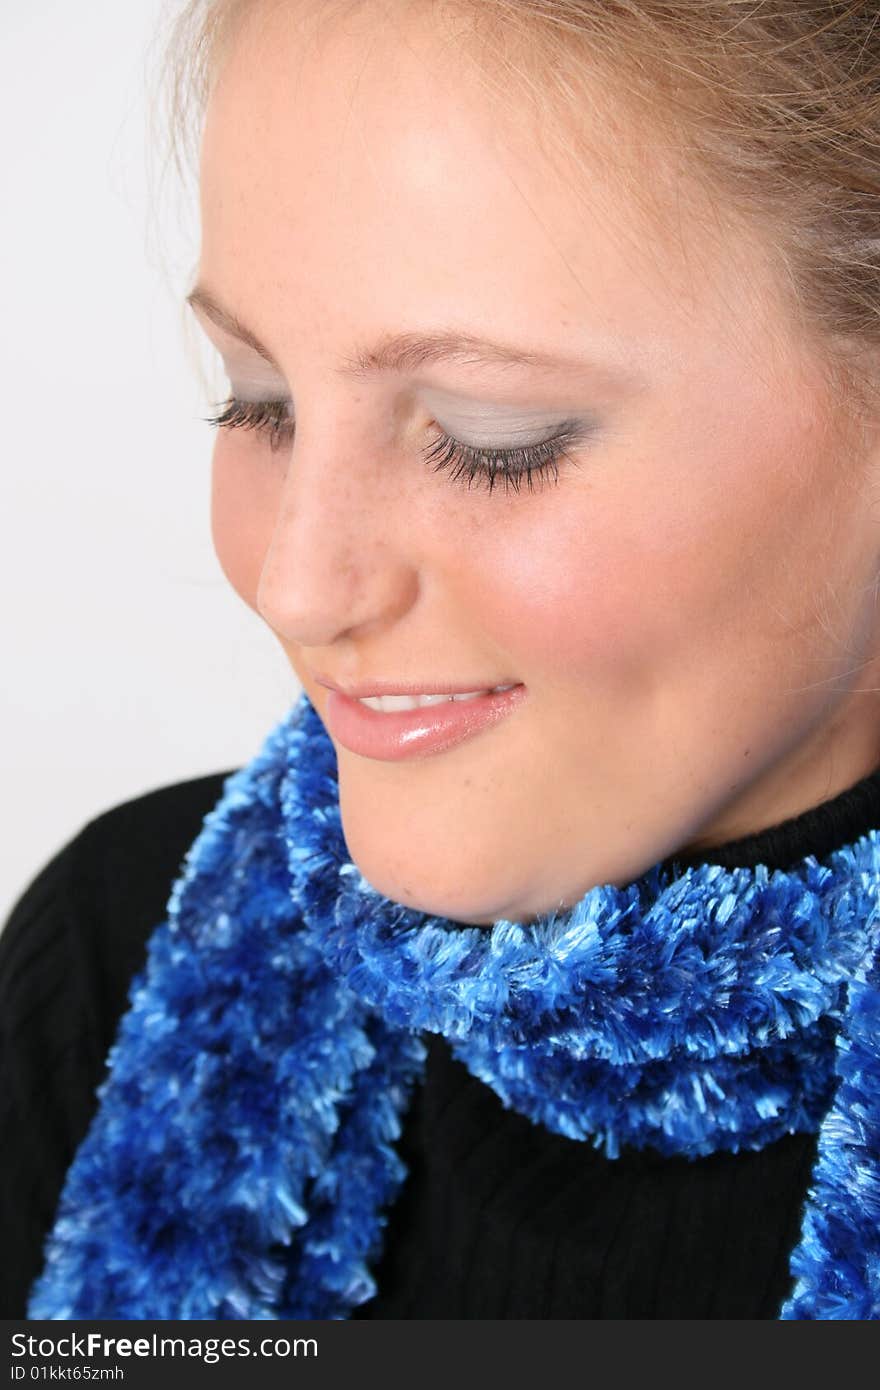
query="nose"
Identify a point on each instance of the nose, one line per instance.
(339, 561)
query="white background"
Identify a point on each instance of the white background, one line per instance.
(128, 660)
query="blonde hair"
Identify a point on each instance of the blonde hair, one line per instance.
(774, 105)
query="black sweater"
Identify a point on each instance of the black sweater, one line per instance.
(498, 1217)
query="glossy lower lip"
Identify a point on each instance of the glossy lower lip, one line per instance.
(413, 733)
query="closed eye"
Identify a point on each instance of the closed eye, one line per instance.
(515, 466)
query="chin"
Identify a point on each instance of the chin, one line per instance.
(422, 887)
(422, 895)
(426, 887)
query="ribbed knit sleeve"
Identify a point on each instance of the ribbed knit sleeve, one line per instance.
(68, 953)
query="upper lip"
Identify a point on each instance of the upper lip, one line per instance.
(363, 689)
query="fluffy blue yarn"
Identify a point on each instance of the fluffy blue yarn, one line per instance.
(241, 1162)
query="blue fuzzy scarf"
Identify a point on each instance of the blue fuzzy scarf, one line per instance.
(241, 1163)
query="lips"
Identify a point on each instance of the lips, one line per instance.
(393, 735)
(390, 704)
(364, 689)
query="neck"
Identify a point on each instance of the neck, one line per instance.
(819, 830)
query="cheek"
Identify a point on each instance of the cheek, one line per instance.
(628, 580)
(542, 588)
(243, 503)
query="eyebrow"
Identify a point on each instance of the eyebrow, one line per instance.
(401, 352)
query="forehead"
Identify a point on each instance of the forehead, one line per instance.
(367, 159)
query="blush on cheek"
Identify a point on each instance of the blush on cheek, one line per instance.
(562, 604)
(241, 519)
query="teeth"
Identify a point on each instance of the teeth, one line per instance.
(390, 703)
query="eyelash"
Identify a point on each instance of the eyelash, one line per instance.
(513, 466)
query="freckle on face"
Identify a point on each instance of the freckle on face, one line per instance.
(661, 602)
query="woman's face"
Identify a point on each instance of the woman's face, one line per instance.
(690, 607)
